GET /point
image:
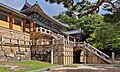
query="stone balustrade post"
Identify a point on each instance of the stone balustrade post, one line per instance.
(68, 39)
(52, 56)
(74, 42)
(113, 57)
(41, 29)
(37, 29)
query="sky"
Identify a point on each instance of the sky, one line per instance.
(49, 9)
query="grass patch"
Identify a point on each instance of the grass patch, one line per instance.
(4, 70)
(29, 65)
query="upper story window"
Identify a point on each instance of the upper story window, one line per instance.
(3, 17)
(27, 24)
(17, 22)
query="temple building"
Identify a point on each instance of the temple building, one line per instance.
(30, 34)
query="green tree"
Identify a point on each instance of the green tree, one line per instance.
(87, 23)
(106, 37)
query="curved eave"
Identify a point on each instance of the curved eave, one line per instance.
(72, 32)
(9, 9)
(62, 32)
(41, 12)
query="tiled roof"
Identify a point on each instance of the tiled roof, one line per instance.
(11, 9)
(78, 31)
(66, 25)
(27, 6)
(46, 16)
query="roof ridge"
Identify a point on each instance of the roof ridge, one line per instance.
(26, 6)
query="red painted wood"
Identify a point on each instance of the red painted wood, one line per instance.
(24, 23)
(10, 23)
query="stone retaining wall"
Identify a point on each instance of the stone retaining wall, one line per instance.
(10, 50)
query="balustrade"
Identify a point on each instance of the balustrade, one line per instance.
(94, 50)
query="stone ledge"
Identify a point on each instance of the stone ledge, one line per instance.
(44, 69)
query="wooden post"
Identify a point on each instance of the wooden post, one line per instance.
(52, 56)
(24, 25)
(10, 23)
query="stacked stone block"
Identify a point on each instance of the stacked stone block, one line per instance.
(15, 45)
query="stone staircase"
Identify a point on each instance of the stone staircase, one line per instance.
(95, 51)
(84, 45)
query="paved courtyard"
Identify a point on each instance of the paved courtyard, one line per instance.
(83, 68)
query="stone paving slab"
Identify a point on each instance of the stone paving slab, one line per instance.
(85, 68)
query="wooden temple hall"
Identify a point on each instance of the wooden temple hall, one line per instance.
(30, 34)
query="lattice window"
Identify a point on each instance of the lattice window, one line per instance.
(3, 17)
(27, 24)
(17, 22)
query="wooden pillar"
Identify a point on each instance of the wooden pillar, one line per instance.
(24, 25)
(10, 23)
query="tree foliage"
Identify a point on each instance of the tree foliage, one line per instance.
(87, 23)
(85, 7)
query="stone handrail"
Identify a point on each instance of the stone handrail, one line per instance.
(46, 31)
(94, 51)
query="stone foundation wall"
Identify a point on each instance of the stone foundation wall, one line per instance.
(93, 59)
(11, 50)
(68, 54)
